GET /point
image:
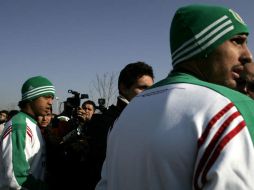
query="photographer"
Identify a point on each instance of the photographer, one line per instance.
(76, 142)
(68, 149)
(86, 111)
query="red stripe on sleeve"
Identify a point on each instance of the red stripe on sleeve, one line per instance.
(7, 132)
(209, 150)
(29, 133)
(220, 147)
(212, 122)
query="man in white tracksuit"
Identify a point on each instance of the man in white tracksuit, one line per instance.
(22, 147)
(192, 130)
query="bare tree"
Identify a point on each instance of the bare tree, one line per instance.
(105, 86)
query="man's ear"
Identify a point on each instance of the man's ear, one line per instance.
(122, 89)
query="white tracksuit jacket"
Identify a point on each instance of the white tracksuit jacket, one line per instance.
(180, 136)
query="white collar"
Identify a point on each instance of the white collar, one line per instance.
(123, 99)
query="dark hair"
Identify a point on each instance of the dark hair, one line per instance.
(89, 102)
(22, 104)
(132, 72)
(4, 111)
(12, 113)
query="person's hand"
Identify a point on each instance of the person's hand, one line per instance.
(82, 114)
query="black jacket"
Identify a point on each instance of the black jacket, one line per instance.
(97, 131)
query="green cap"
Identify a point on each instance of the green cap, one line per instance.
(196, 30)
(36, 87)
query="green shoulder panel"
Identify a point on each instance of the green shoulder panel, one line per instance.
(244, 104)
(20, 164)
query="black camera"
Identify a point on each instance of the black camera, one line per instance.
(74, 101)
(72, 104)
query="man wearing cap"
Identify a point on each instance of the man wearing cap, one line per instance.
(192, 130)
(22, 148)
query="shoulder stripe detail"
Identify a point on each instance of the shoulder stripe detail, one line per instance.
(220, 147)
(28, 129)
(29, 132)
(212, 122)
(7, 132)
(221, 133)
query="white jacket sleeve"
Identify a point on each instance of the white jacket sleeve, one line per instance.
(225, 154)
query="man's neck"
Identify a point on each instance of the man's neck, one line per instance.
(28, 112)
(193, 68)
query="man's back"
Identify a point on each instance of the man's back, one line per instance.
(178, 140)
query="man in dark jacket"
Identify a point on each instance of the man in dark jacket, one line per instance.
(134, 78)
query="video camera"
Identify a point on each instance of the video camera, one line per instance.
(74, 101)
(71, 105)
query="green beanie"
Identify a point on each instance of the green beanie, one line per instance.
(36, 87)
(196, 30)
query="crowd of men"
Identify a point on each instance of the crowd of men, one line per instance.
(192, 130)
(75, 140)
